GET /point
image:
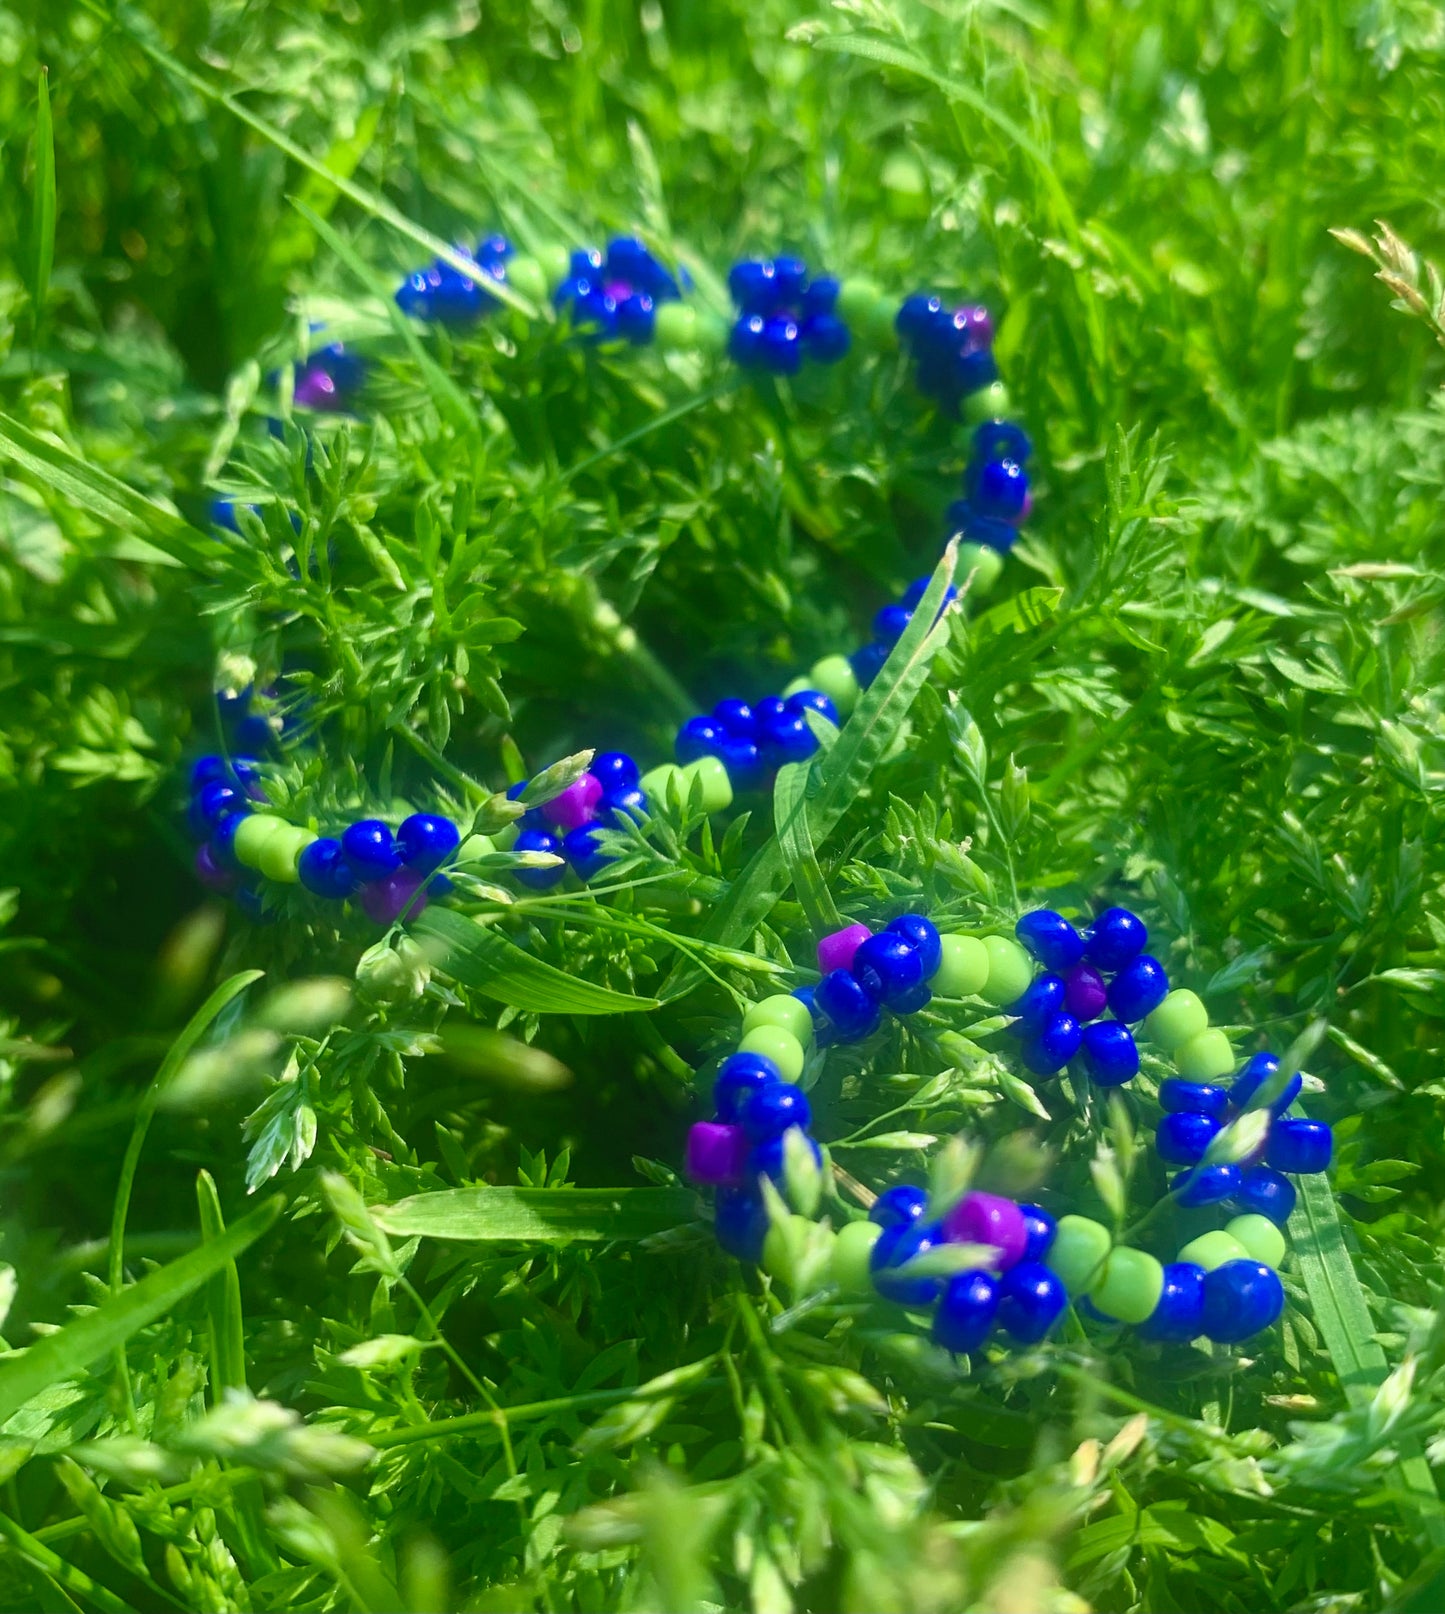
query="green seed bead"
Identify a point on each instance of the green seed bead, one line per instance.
(675, 326)
(964, 969)
(1205, 1057)
(1080, 1248)
(781, 1046)
(1010, 970)
(556, 265)
(1212, 1250)
(717, 788)
(880, 323)
(782, 1009)
(1180, 1017)
(527, 276)
(982, 564)
(504, 837)
(252, 833)
(656, 784)
(1131, 1286)
(851, 1251)
(989, 403)
(279, 855)
(712, 332)
(856, 301)
(784, 1242)
(797, 687)
(478, 846)
(1259, 1236)
(835, 678)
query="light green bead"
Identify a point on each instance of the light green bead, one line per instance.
(1080, 1248)
(798, 687)
(1212, 1250)
(675, 326)
(983, 564)
(1259, 1236)
(527, 276)
(989, 403)
(656, 783)
(1178, 1018)
(851, 1252)
(835, 678)
(478, 846)
(252, 833)
(556, 264)
(506, 835)
(782, 1009)
(717, 788)
(711, 331)
(856, 300)
(964, 969)
(1130, 1287)
(782, 1047)
(280, 853)
(1205, 1057)
(1010, 970)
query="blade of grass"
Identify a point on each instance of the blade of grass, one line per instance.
(541, 1215)
(43, 208)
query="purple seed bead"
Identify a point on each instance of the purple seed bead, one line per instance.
(717, 1154)
(980, 1218)
(836, 950)
(1085, 995)
(386, 900)
(210, 873)
(576, 806)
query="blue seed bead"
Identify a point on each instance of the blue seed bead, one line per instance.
(1000, 489)
(768, 1111)
(1002, 440)
(370, 849)
(740, 1220)
(1240, 1299)
(780, 347)
(586, 263)
(825, 338)
(1299, 1146)
(822, 1028)
(1256, 1071)
(889, 623)
(745, 343)
(770, 1159)
(739, 1076)
(921, 934)
(1177, 1094)
(813, 700)
(848, 1008)
(1179, 1316)
(614, 770)
(966, 1313)
(324, 870)
(917, 315)
(821, 296)
(253, 733)
(209, 770)
(581, 848)
(743, 761)
(867, 663)
(636, 317)
(628, 259)
(965, 520)
(699, 737)
(913, 598)
(1114, 938)
(252, 903)
(1053, 1045)
(899, 1205)
(910, 1002)
(427, 840)
(1042, 999)
(1206, 1185)
(770, 709)
(787, 739)
(896, 1245)
(630, 802)
(223, 838)
(754, 286)
(971, 372)
(887, 967)
(1031, 1301)
(790, 276)
(1040, 1227)
(1050, 938)
(539, 840)
(1110, 1053)
(736, 718)
(210, 804)
(1138, 989)
(1182, 1138)
(1266, 1193)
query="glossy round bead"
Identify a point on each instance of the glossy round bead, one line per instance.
(1031, 1300)
(742, 761)
(1241, 1298)
(1052, 1045)
(615, 770)
(1259, 1236)
(1205, 1185)
(768, 1111)
(901, 1203)
(981, 565)
(868, 662)
(717, 1154)
(1179, 1315)
(1179, 1019)
(582, 849)
(897, 1245)
(1110, 1055)
(1176, 1095)
(787, 739)
(888, 967)
(921, 935)
(635, 318)
(917, 316)
(779, 345)
(210, 872)
(1000, 489)
(712, 776)
(991, 403)
(1130, 1286)
(574, 806)
(837, 950)
(1139, 987)
(813, 700)
(825, 338)
(699, 737)
(212, 802)
(1211, 1250)
(1268, 1193)
(913, 596)
(736, 718)
(754, 286)
(821, 1030)
(1182, 1138)
(1300, 1146)
(658, 783)
(737, 1077)
(223, 840)
(398, 895)
(539, 840)
(1085, 994)
(849, 1262)
(821, 295)
(280, 854)
(852, 1014)
(209, 770)
(1010, 969)
(370, 849)
(1205, 1057)
(770, 709)
(1051, 939)
(1078, 1252)
(675, 326)
(251, 834)
(834, 677)
(770, 1160)
(889, 623)
(740, 1220)
(966, 1312)
(618, 804)
(990, 1219)
(427, 840)
(963, 967)
(781, 1009)
(1114, 938)
(1039, 1227)
(781, 1047)
(1043, 999)
(1002, 440)
(1257, 1070)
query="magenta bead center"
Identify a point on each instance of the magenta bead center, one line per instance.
(716, 1154)
(576, 806)
(989, 1219)
(385, 901)
(835, 952)
(1085, 995)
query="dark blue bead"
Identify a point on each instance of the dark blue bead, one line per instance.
(629, 801)
(427, 840)
(922, 936)
(534, 819)
(1138, 989)
(754, 286)
(1000, 489)
(916, 316)
(1205, 1185)
(900, 1204)
(1177, 1094)
(913, 597)
(493, 251)
(1240, 1299)
(1050, 938)
(894, 1247)
(1257, 1070)
(1179, 1316)
(248, 772)
(233, 705)
(846, 1006)
(539, 840)
(770, 709)
(324, 870)
(1047, 1050)
(887, 966)
(1002, 440)
(581, 848)
(251, 901)
(780, 346)
(972, 371)
(1266, 1193)
(790, 277)
(1043, 998)
(440, 886)
(745, 344)
(223, 514)
(210, 803)
(966, 1313)
(890, 622)
(455, 299)
(822, 1029)
(209, 770)
(586, 263)
(1182, 1138)
(821, 297)
(628, 259)
(910, 1002)
(768, 1111)
(740, 1220)
(788, 739)
(1040, 1227)
(743, 762)
(614, 770)
(813, 700)
(739, 1076)
(769, 1159)
(825, 338)
(867, 663)
(636, 317)
(1110, 1054)
(699, 737)
(1299, 1146)
(253, 733)
(1114, 938)
(223, 839)
(1031, 1301)
(736, 717)
(966, 523)
(370, 849)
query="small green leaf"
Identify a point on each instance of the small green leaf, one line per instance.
(539, 1215)
(795, 841)
(1025, 611)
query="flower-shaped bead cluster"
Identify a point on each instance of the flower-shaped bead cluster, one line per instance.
(442, 295)
(616, 294)
(753, 741)
(784, 317)
(567, 826)
(951, 348)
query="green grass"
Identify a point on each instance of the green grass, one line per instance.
(1216, 694)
